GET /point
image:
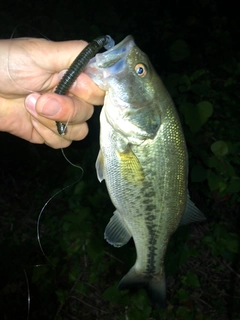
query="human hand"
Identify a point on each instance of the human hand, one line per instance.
(35, 66)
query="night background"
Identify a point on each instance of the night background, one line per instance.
(194, 46)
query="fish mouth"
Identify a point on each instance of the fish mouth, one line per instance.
(110, 62)
(111, 58)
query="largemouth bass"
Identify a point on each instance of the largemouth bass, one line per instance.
(143, 160)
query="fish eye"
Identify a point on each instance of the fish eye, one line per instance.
(141, 70)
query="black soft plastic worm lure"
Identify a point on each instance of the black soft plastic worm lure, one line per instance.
(77, 67)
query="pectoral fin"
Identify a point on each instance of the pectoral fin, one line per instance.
(116, 232)
(100, 166)
(130, 167)
(192, 214)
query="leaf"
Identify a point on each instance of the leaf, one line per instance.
(196, 115)
(233, 245)
(230, 81)
(179, 50)
(112, 294)
(62, 295)
(183, 313)
(215, 182)
(220, 148)
(204, 110)
(234, 185)
(191, 280)
(197, 74)
(136, 314)
(183, 295)
(185, 80)
(139, 300)
(184, 83)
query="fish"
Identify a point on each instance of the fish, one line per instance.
(144, 162)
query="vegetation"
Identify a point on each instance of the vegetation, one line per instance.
(194, 48)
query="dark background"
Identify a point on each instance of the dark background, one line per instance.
(77, 275)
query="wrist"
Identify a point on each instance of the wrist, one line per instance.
(9, 115)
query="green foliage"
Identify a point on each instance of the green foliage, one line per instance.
(190, 280)
(196, 116)
(219, 148)
(222, 242)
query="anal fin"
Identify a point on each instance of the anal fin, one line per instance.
(116, 232)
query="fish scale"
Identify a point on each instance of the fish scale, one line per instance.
(143, 160)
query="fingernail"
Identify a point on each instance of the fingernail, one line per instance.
(30, 103)
(50, 108)
(61, 74)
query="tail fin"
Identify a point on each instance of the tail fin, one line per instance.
(154, 285)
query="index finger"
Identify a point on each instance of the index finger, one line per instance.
(84, 88)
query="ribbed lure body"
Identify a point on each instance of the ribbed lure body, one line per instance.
(77, 67)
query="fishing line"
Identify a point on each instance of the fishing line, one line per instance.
(45, 205)
(72, 164)
(28, 294)
(31, 28)
(38, 225)
(65, 83)
(53, 196)
(14, 35)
